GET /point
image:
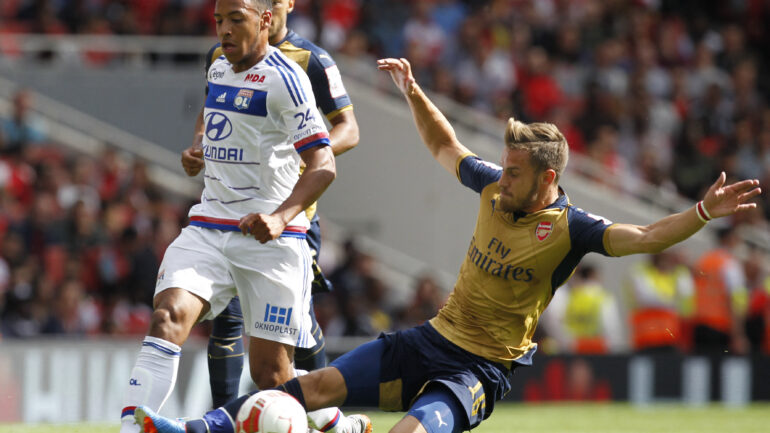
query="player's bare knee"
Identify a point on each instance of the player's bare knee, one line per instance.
(267, 378)
(167, 322)
(161, 324)
(269, 372)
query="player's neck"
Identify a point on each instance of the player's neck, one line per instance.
(278, 37)
(546, 199)
(249, 61)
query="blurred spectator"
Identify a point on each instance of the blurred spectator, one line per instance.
(425, 40)
(758, 312)
(22, 128)
(583, 316)
(720, 299)
(428, 299)
(361, 296)
(73, 312)
(660, 300)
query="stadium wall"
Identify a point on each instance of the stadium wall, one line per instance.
(65, 381)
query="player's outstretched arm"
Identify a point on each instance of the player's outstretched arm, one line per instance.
(320, 171)
(192, 157)
(720, 200)
(434, 128)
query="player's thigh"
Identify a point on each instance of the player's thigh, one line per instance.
(195, 263)
(360, 368)
(273, 284)
(436, 410)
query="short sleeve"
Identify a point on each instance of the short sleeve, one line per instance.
(587, 231)
(296, 104)
(475, 173)
(326, 81)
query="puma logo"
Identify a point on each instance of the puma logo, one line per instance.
(230, 347)
(440, 421)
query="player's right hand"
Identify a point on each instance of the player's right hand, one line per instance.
(192, 160)
(401, 72)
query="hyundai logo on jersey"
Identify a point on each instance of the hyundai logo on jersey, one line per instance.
(223, 153)
(218, 126)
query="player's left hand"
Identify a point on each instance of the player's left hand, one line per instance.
(721, 200)
(263, 227)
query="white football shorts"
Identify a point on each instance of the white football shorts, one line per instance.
(272, 280)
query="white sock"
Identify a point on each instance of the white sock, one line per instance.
(152, 379)
(327, 420)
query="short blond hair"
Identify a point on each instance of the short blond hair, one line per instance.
(261, 5)
(547, 147)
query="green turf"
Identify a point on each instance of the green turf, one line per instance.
(552, 418)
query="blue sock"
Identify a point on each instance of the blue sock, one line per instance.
(225, 354)
(315, 357)
(293, 388)
(232, 406)
(219, 420)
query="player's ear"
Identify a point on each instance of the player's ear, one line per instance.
(548, 176)
(290, 6)
(265, 20)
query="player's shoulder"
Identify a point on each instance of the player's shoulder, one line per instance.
(214, 54)
(277, 61)
(298, 41)
(576, 215)
(284, 78)
(294, 43)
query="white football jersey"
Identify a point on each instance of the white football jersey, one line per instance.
(256, 124)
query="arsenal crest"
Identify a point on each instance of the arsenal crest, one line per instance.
(543, 230)
(243, 99)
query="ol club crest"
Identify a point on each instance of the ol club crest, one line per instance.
(243, 99)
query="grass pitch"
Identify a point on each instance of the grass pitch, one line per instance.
(551, 418)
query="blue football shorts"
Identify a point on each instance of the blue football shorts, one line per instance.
(398, 369)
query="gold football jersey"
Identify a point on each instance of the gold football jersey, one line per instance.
(512, 268)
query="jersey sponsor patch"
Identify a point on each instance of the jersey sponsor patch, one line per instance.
(336, 88)
(543, 230)
(491, 165)
(604, 220)
(216, 74)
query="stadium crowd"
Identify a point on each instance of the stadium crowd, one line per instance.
(660, 92)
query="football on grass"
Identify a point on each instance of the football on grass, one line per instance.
(271, 412)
